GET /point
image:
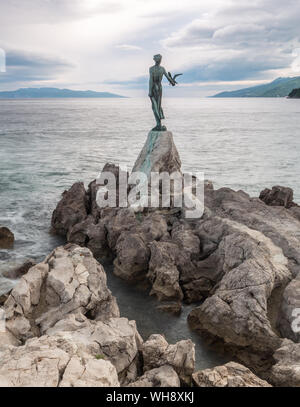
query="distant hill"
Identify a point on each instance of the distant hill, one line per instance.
(295, 94)
(279, 88)
(40, 93)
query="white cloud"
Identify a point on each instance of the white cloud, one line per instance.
(128, 47)
(194, 33)
(28, 67)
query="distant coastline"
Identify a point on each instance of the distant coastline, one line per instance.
(55, 93)
(280, 87)
(295, 94)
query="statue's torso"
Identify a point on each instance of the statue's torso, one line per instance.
(157, 73)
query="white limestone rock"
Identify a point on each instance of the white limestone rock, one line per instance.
(51, 361)
(115, 339)
(164, 376)
(229, 375)
(181, 356)
(68, 280)
(286, 370)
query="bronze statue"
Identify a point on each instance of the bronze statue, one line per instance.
(155, 90)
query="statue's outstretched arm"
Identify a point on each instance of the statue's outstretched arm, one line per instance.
(170, 79)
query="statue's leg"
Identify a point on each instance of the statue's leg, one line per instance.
(158, 124)
(156, 113)
(158, 121)
(161, 112)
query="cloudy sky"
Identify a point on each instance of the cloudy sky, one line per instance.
(107, 45)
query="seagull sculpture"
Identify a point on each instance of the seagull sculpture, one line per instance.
(174, 77)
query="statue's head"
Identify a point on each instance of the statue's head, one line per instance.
(157, 58)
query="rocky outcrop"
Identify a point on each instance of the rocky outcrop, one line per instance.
(295, 211)
(164, 376)
(276, 223)
(279, 225)
(116, 222)
(230, 375)
(7, 238)
(51, 361)
(131, 238)
(234, 258)
(12, 271)
(92, 235)
(75, 350)
(195, 268)
(115, 339)
(6, 338)
(286, 370)
(288, 321)
(180, 356)
(18, 271)
(68, 280)
(63, 329)
(241, 259)
(278, 196)
(252, 267)
(163, 273)
(133, 245)
(4, 297)
(112, 176)
(71, 210)
(120, 233)
(132, 258)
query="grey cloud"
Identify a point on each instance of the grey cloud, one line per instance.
(224, 68)
(234, 69)
(239, 31)
(193, 34)
(29, 59)
(140, 82)
(29, 66)
(264, 33)
(264, 20)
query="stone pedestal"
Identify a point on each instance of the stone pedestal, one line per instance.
(159, 154)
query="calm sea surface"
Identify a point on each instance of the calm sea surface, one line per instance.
(46, 145)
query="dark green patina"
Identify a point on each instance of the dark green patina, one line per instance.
(155, 90)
